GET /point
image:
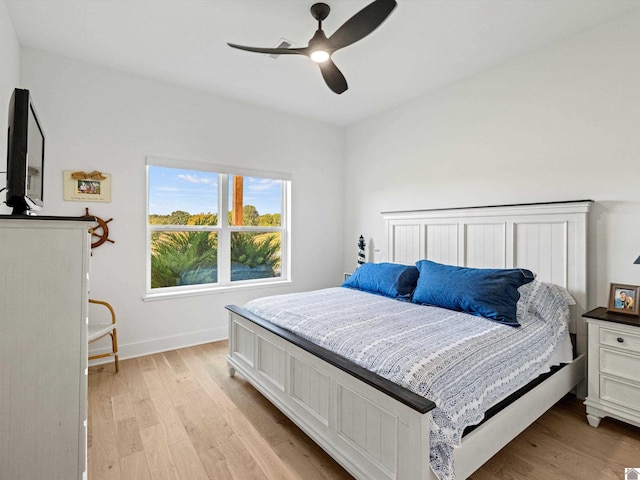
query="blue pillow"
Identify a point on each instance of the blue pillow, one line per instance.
(389, 279)
(486, 292)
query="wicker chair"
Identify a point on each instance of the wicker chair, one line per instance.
(99, 328)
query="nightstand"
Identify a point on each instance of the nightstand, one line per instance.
(613, 367)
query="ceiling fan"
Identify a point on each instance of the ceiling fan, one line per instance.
(320, 48)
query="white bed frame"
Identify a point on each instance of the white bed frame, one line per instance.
(381, 436)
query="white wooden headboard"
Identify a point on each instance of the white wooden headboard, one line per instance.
(550, 239)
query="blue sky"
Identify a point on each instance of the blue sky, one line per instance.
(196, 191)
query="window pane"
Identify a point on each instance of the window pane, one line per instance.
(182, 197)
(255, 201)
(255, 255)
(183, 258)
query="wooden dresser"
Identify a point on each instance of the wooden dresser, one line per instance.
(43, 347)
(613, 367)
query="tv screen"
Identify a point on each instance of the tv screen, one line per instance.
(25, 155)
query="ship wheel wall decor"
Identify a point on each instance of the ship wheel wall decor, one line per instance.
(100, 231)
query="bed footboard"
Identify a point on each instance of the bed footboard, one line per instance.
(372, 435)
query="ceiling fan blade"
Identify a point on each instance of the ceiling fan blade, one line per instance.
(362, 23)
(334, 77)
(270, 51)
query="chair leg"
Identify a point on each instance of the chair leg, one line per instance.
(114, 347)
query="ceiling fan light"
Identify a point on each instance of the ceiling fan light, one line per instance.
(319, 56)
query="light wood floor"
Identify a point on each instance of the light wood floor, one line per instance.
(178, 415)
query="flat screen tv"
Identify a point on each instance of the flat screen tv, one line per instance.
(25, 156)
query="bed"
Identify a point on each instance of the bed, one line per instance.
(376, 428)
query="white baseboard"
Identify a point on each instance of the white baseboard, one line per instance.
(163, 344)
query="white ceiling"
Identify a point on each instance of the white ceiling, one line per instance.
(424, 45)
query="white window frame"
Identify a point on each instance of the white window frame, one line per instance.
(223, 229)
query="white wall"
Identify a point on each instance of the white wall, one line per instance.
(562, 123)
(100, 119)
(9, 79)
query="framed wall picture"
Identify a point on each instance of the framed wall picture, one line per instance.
(624, 299)
(87, 187)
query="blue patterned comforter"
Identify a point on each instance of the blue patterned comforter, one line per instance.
(463, 363)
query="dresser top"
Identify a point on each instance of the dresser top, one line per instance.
(35, 218)
(601, 313)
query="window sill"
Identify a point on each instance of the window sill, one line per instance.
(152, 297)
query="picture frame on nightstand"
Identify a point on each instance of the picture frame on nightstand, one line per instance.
(624, 299)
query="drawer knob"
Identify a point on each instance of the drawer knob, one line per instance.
(620, 340)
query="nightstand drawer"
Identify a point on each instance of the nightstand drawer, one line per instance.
(620, 364)
(620, 392)
(620, 339)
(613, 370)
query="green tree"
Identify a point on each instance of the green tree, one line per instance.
(250, 216)
(255, 248)
(269, 220)
(177, 257)
(179, 217)
(203, 219)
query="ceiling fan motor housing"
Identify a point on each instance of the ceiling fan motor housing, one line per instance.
(320, 11)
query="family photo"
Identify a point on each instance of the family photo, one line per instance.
(623, 299)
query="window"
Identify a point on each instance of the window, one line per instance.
(209, 229)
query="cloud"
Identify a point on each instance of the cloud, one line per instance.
(196, 179)
(263, 184)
